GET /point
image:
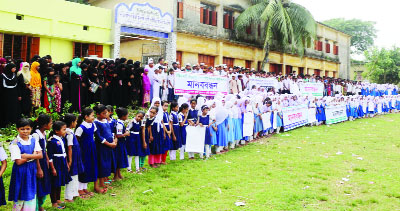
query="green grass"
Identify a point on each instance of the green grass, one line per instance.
(296, 170)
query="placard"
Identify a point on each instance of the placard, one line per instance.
(263, 82)
(248, 124)
(195, 139)
(335, 114)
(266, 120)
(294, 117)
(314, 89)
(198, 83)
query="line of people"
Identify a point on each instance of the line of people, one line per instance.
(91, 147)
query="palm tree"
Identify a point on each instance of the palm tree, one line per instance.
(286, 24)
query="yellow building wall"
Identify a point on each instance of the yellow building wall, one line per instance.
(191, 58)
(188, 43)
(58, 19)
(240, 62)
(133, 49)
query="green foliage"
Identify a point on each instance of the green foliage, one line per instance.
(383, 65)
(286, 24)
(363, 32)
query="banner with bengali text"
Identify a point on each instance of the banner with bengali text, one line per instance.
(335, 114)
(197, 83)
(263, 82)
(294, 116)
(314, 89)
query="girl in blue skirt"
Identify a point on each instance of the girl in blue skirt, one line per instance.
(25, 151)
(147, 136)
(134, 143)
(3, 166)
(175, 131)
(205, 121)
(85, 135)
(58, 163)
(105, 143)
(121, 156)
(183, 122)
(74, 158)
(167, 141)
(43, 123)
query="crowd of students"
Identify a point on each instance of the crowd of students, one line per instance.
(122, 82)
(92, 147)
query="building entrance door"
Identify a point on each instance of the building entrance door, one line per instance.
(153, 51)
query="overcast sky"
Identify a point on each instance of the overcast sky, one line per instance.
(386, 14)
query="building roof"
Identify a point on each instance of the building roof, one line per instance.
(334, 28)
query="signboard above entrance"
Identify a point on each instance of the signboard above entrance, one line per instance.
(143, 16)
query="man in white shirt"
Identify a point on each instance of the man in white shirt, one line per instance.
(286, 85)
(171, 85)
(151, 69)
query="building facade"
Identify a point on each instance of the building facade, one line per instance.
(188, 31)
(58, 28)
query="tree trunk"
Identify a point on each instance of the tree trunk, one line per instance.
(265, 60)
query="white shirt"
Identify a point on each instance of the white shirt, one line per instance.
(120, 127)
(171, 79)
(79, 130)
(70, 137)
(16, 151)
(3, 154)
(39, 135)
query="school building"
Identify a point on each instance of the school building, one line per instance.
(58, 28)
(188, 31)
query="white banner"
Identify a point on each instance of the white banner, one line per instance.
(263, 82)
(314, 89)
(195, 139)
(143, 16)
(197, 83)
(294, 116)
(335, 114)
(266, 120)
(248, 124)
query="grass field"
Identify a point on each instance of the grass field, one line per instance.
(348, 166)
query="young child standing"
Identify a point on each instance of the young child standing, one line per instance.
(147, 135)
(58, 163)
(121, 156)
(134, 143)
(105, 143)
(43, 123)
(3, 166)
(25, 150)
(183, 122)
(175, 131)
(167, 141)
(204, 121)
(74, 158)
(85, 135)
(157, 132)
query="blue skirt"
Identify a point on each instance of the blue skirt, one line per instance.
(133, 142)
(222, 134)
(214, 136)
(167, 141)
(207, 138)
(258, 124)
(2, 193)
(156, 146)
(279, 122)
(104, 160)
(43, 184)
(231, 131)
(62, 178)
(23, 182)
(183, 135)
(121, 157)
(238, 129)
(76, 165)
(178, 142)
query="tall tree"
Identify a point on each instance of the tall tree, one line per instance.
(363, 32)
(285, 24)
(383, 65)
